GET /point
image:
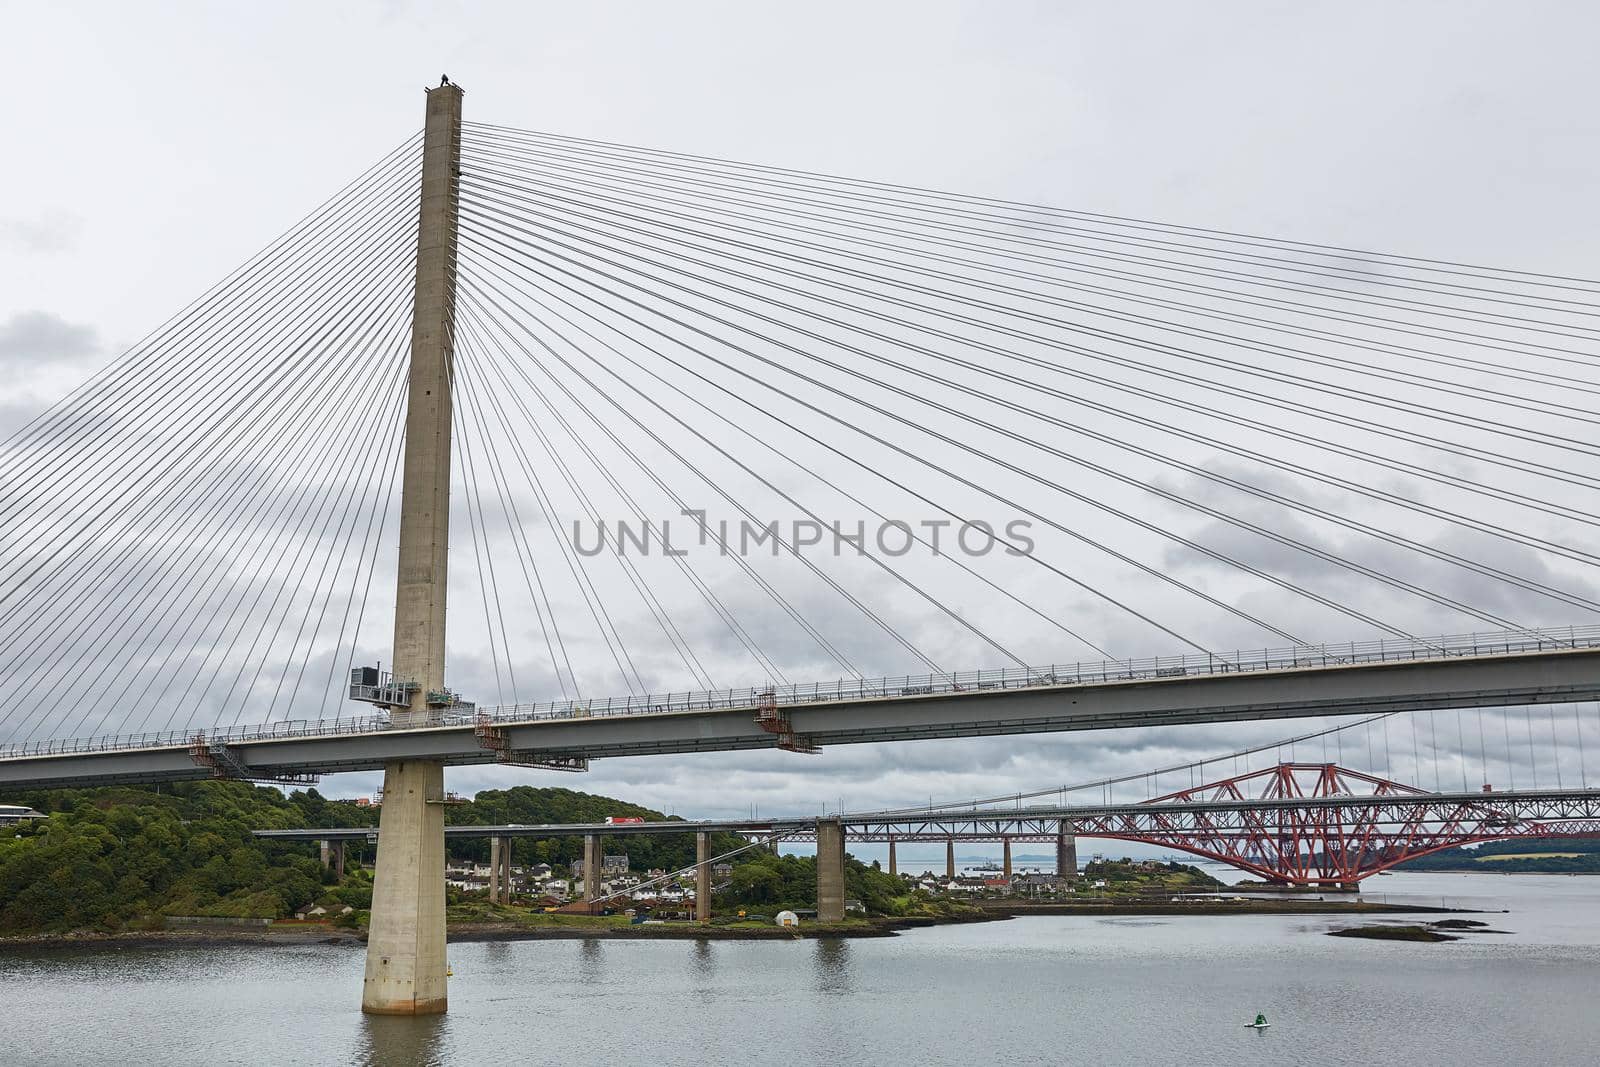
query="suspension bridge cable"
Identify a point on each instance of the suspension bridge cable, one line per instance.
(651, 602)
(486, 578)
(545, 309)
(1034, 476)
(1224, 236)
(954, 515)
(1189, 355)
(1163, 324)
(1201, 383)
(179, 515)
(716, 203)
(114, 374)
(914, 587)
(529, 566)
(382, 456)
(724, 614)
(1224, 294)
(319, 509)
(575, 565)
(754, 577)
(282, 461)
(1201, 472)
(778, 540)
(189, 361)
(133, 487)
(1264, 281)
(575, 487)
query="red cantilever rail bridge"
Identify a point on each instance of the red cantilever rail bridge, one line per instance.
(1292, 824)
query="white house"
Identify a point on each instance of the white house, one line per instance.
(12, 814)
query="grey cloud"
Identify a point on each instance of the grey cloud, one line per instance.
(30, 340)
(54, 232)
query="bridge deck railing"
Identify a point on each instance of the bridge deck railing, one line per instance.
(1149, 668)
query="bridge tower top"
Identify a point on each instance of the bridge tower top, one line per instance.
(419, 614)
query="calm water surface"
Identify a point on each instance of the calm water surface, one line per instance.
(1061, 990)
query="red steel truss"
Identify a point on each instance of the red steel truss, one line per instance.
(1293, 824)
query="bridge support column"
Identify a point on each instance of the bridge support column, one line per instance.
(494, 870)
(405, 941)
(702, 877)
(1066, 853)
(830, 870)
(1006, 862)
(591, 867)
(405, 945)
(505, 870)
(894, 868)
(332, 855)
(950, 859)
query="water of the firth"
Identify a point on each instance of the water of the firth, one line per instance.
(1031, 991)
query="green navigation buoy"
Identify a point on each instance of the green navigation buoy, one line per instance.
(1260, 1023)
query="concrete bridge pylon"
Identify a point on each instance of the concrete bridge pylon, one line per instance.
(405, 972)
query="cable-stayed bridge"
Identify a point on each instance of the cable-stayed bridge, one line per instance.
(1122, 432)
(1454, 672)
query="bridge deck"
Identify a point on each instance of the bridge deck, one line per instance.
(1442, 674)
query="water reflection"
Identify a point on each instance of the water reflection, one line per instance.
(401, 1041)
(830, 965)
(702, 960)
(1015, 992)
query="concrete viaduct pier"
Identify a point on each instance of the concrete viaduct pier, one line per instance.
(830, 870)
(499, 870)
(593, 861)
(702, 876)
(332, 853)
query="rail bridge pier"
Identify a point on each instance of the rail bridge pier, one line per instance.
(1066, 852)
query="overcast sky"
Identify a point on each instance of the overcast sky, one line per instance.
(152, 148)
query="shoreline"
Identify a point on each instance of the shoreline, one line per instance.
(296, 934)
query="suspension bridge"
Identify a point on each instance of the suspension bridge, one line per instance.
(1174, 440)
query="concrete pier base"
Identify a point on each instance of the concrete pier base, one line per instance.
(406, 941)
(1006, 862)
(830, 871)
(894, 868)
(702, 877)
(950, 859)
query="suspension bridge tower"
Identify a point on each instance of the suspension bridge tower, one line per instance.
(406, 944)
